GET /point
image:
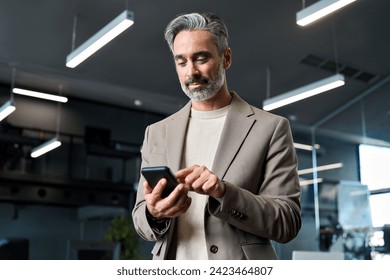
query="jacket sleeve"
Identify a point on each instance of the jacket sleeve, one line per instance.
(144, 226)
(271, 209)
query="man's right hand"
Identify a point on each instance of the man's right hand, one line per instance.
(174, 205)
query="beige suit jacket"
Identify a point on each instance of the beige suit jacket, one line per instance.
(257, 162)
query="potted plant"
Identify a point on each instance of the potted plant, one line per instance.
(122, 230)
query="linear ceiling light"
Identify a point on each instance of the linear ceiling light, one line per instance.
(306, 147)
(40, 95)
(303, 92)
(310, 182)
(6, 109)
(45, 147)
(9, 106)
(320, 168)
(101, 38)
(319, 10)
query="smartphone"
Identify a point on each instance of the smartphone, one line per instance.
(156, 173)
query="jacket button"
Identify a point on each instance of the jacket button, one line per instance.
(214, 249)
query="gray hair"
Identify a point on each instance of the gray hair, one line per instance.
(194, 21)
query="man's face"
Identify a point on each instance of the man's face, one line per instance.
(199, 67)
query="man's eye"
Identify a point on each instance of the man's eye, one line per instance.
(181, 63)
(201, 60)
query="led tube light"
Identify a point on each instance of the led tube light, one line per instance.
(320, 168)
(306, 147)
(303, 92)
(38, 94)
(45, 147)
(6, 109)
(319, 10)
(101, 38)
(309, 182)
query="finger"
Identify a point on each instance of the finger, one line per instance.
(178, 192)
(159, 188)
(179, 209)
(211, 181)
(198, 178)
(208, 183)
(214, 187)
(164, 205)
(198, 184)
(184, 206)
(186, 170)
(176, 205)
(171, 205)
(181, 174)
(188, 187)
(181, 201)
(149, 198)
(153, 195)
(147, 188)
(198, 172)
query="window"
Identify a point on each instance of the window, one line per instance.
(380, 209)
(375, 173)
(374, 166)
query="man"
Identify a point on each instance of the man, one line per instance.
(236, 165)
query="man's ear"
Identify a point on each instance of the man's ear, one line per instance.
(227, 57)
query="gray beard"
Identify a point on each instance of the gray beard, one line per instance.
(207, 91)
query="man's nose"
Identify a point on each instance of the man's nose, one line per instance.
(192, 70)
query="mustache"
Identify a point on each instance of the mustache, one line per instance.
(193, 80)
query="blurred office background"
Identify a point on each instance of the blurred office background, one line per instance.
(66, 204)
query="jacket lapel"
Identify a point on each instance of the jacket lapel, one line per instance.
(238, 124)
(175, 135)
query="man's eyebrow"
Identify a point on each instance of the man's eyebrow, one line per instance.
(178, 56)
(196, 54)
(202, 53)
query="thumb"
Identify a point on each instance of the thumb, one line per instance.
(147, 189)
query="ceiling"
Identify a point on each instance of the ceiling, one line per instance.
(36, 37)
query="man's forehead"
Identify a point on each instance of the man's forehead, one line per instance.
(193, 42)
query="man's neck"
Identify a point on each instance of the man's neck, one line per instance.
(220, 100)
